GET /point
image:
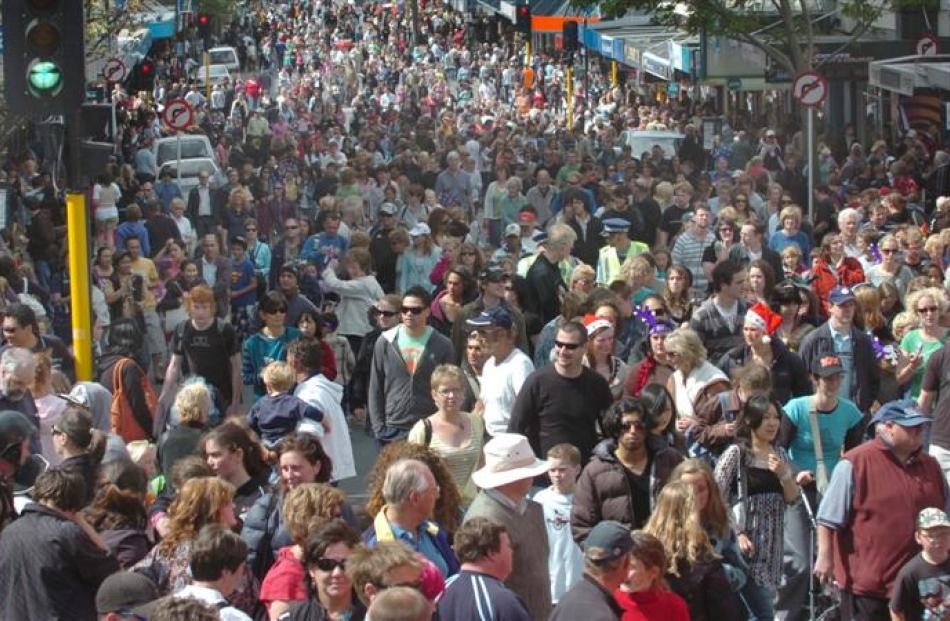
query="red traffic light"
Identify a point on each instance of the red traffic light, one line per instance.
(524, 11)
(203, 19)
(146, 68)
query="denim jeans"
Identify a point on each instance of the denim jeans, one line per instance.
(758, 599)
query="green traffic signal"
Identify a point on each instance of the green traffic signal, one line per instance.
(44, 78)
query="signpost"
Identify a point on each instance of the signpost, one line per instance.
(114, 70)
(178, 115)
(810, 89)
(927, 45)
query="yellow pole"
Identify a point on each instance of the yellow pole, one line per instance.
(614, 74)
(77, 233)
(570, 99)
(527, 52)
(207, 76)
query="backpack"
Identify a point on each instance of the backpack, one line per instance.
(125, 422)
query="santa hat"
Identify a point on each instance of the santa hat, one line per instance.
(763, 318)
(596, 324)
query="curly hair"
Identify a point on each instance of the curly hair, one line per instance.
(308, 506)
(447, 508)
(676, 523)
(198, 503)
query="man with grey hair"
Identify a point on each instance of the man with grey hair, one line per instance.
(453, 186)
(17, 369)
(400, 603)
(849, 221)
(410, 491)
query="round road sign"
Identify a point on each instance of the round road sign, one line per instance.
(114, 70)
(178, 114)
(927, 45)
(810, 88)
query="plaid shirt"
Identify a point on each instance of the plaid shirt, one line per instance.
(718, 334)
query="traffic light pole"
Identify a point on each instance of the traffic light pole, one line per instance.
(77, 238)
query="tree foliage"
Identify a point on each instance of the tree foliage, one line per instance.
(783, 29)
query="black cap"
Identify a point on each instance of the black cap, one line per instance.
(493, 274)
(126, 592)
(14, 429)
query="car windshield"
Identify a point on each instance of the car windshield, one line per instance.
(190, 149)
(222, 57)
(640, 144)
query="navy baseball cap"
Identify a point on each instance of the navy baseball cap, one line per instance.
(497, 317)
(904, 412)
(607, 541)
(840, 295)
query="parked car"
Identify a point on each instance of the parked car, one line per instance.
(217, 74)
(190, 169)
(193, 146)
(227, 56)
(641, 141)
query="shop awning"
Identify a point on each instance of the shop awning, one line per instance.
(638, 43)
(905, 74)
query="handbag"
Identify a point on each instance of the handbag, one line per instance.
(31, 300)
(821, 470)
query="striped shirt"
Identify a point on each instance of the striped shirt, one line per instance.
(474, 596)
(688, 252)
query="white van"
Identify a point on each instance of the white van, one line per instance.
(227, 56)
(193, 146)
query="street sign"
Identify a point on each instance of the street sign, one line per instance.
(734, 84)
(810, 89)
(114, 70)
(178, 114)
(927, 45)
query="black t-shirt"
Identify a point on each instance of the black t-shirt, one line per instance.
(640, 497)
(207, 353)
(937, 380)
(921, 590)
(552, 409)
(671, 222)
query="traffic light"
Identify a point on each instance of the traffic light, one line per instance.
(523, 18)
(204, 26)
(44, 60)
(143, 76)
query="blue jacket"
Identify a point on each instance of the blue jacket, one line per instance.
(382, 531)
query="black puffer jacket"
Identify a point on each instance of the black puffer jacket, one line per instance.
(603, 491)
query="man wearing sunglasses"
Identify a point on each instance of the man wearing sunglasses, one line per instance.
(562, 402)
(625, 474)
(403, 360)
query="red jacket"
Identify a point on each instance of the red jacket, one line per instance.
(850, 273)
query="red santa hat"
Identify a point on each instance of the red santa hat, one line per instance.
(763, 318)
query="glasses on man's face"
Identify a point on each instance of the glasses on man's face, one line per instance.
(384, 313)
(633, 425)
(415, 310)
(567, 346)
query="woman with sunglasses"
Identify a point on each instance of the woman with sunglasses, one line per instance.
(891, 268)
(927, 306)
(269, 344)
(331, 590)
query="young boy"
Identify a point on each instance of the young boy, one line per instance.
(279, 412)
(243, 287)
(217, 567)
(923, 584)
(566, 560)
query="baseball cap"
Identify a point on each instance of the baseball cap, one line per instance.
(904, 412)
(420, 229)
(931, 517)
(127, 592)
(512, 230)
(840, 295)
(493, 274)
(387, 208)
(827, 365)
(497, 317)
(607, 541)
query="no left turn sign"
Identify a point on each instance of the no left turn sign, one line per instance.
(178, 114)
(810, 89)
(114, 70)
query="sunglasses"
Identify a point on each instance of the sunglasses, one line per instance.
(329, 564)
(567, 346)
(888, 250)
(415, 310)
(384, 313)
(631, 425)
(278, 311)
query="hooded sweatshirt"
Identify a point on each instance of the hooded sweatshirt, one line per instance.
(319, 392)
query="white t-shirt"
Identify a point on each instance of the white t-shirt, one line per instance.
(565, 560)
(500, 385)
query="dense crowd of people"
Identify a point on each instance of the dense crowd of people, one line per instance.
(602, 384)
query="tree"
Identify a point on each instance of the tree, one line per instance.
(783, 29)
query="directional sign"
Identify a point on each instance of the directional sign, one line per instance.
(178, 114)
(810, 89)
(114, 70)
(927, 45)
